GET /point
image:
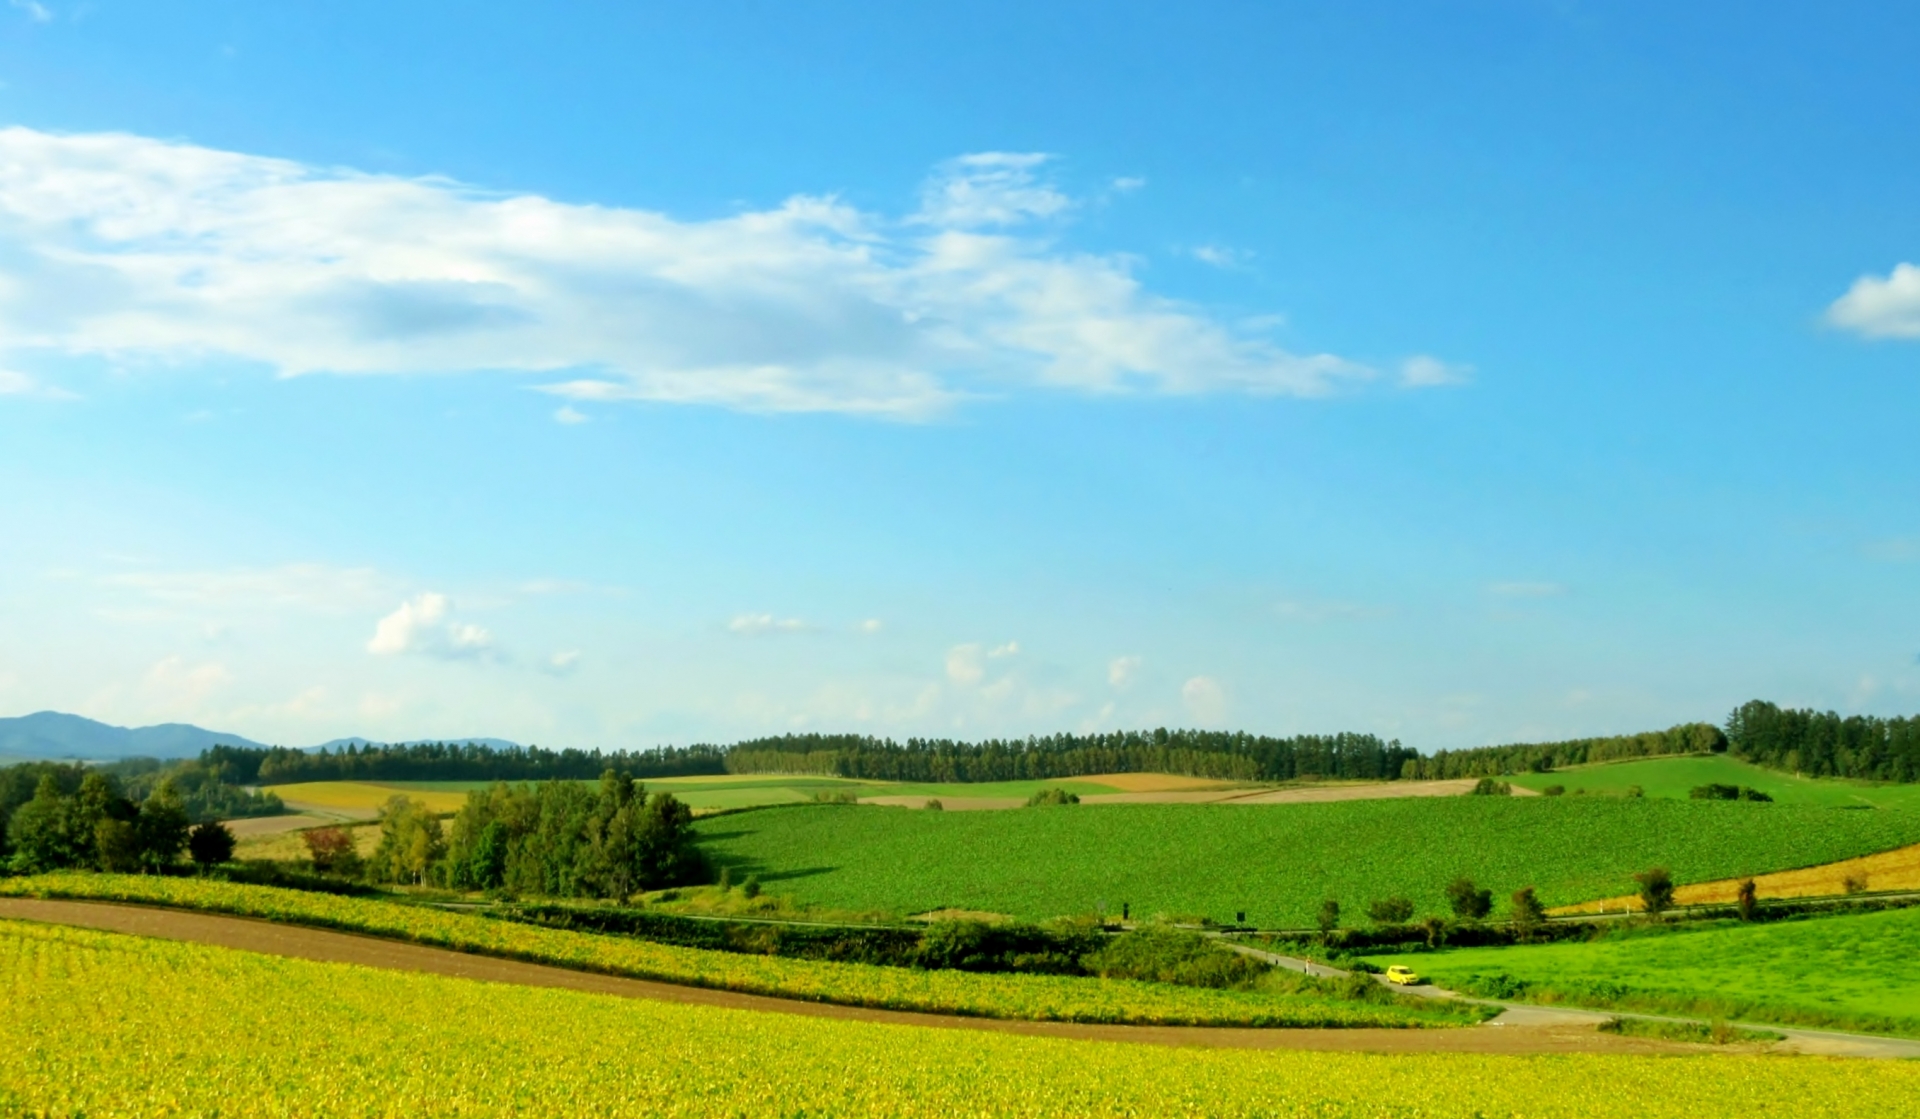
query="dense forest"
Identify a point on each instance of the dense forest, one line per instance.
(455, 761)
(1825, 744)
(1536, 757)
(1232, 756)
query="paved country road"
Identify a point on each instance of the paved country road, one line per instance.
(328, 946)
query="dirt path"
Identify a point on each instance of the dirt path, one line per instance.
(326, 946)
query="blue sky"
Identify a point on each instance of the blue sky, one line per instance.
(605, 376)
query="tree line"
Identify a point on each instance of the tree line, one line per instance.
(1194, 753)
(95, 826)
(1541, 757)
(556, 839)
(455, 761)
(1826, 744)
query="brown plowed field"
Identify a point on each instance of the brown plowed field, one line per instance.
(327, 946)
(1898, 869)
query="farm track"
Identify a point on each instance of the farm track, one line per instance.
(1558, 1033)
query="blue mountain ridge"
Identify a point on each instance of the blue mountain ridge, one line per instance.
(56, 735)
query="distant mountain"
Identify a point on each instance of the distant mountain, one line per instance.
(342, 743)
(50, 734)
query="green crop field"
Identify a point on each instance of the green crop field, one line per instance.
(99, 1024)
(1676, 777)
(1852, 971)
(1274, 862)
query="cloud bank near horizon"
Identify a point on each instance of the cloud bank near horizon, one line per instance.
(136, 250)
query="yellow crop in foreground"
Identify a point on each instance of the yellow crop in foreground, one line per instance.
(106, 1025)
(991, 996)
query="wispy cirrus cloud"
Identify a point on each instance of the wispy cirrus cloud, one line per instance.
(129, 247)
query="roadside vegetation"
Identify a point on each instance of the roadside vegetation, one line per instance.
(296, 1037)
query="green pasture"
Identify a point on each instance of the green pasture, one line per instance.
(1676, 777)
(1853, 971)
(1275, 862)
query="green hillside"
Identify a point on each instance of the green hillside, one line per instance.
(1676, 777)
(1274, 862)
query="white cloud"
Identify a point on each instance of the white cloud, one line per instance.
(1010, 649)
(137, 249)
(1527, 590)
(1122, 670)
(1881, 308)
(1206, 700)
(1127, 184)
(989, 188)
(568, 414)
(14, 383)
(563, 663)
(421, 625)
(964, 664)
(1221, 256)
(871, 625)
(36, 11)
(752, 624)
(1423, 371)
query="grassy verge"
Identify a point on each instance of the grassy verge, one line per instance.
(1848, 972)
(945, 992)
(105, 1025)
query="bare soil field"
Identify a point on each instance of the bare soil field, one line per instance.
(326, 946)
(1898, 869)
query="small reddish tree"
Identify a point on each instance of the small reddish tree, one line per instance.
(331, 848)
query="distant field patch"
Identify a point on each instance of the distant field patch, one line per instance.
(361, 798)
(1153, 782)
(1898, 869)
(1676, 777)
(1275, 863)
(1852, 971)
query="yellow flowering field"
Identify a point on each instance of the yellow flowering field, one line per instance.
(1042, 997)
(108, 1025)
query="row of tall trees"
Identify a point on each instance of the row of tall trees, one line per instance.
(1825, 744)
(556, 839)
(1234, 756)
(1539, 757)
(453, 761)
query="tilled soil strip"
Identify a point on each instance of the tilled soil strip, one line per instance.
(327, 946)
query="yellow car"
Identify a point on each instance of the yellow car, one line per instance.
(1402, 975)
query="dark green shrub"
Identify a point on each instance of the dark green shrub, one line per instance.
(1467, 900)
(1329, 917)
(1164, 955)
(1390, 911)
(1553, 790)
(1052, 796)
(1656, 890)
(210, 844)
(1488, 787)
